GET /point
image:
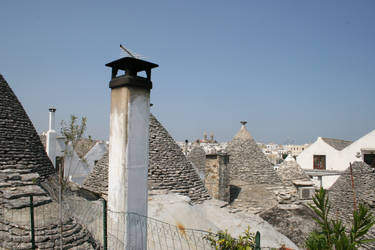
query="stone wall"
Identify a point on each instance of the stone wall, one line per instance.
(217, 176)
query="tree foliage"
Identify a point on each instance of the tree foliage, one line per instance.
(333, 234)
(73, 131)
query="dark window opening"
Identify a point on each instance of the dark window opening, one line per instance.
(369, 159)
(319, 162)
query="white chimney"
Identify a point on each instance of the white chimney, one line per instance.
(128, 153)
(51, 137)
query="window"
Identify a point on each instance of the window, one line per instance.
(369, 159)
(319, 162)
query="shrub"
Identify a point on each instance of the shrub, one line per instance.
(333, 233)
(224, 241)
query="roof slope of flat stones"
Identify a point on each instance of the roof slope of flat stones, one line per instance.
(289, 170)
(341, 193)
(337, 143)
(97, 180)
(23, 161)
(198, 157)
(168, 168)
(83, 146)
(247, 162)
(21, 151)
(24, 170)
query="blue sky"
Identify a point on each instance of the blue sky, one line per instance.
(295, 70)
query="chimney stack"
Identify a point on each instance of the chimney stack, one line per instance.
(217, 175)
(51, 137)
(128, 152)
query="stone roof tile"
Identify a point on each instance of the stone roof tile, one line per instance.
(247, 161)
(336, 143)
(168, 168)
(342, 198)
(289, 170)
(25, 170)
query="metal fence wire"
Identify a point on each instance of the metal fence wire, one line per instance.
(160, 235)
(38, 227)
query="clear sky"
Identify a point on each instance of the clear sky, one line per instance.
(295, 70)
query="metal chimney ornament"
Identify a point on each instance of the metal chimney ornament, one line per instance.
(131, 66)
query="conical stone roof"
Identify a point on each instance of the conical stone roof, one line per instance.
(341, 192)
(23, 161)
(289, 170)
(243, 134)
(247, 161)
(168, 168)
(342, 198)
(198, 157)
(26, 170)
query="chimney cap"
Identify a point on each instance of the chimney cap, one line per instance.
(52, 110)
(243, 122)
(131, 63)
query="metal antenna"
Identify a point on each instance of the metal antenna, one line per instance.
(127, 51)
(134, 55)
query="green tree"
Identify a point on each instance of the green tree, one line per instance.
(333, 233)
(73, 131)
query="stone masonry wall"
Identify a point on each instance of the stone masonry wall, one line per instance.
(217, 177)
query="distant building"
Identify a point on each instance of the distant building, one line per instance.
(295, 150)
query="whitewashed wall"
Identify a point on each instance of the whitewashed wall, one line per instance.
(335, 159)
(319, 147)
(96, 153)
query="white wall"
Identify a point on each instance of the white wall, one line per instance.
(335, 159)
(75, 168)
(348, 154)
(319, 147)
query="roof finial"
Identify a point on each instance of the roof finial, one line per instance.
(243, 123)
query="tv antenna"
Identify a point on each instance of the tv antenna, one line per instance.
(130, 53)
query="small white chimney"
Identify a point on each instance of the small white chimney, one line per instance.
(51, 137)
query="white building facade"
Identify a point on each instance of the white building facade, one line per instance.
(334, 154)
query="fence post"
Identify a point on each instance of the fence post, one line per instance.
(32, 223)
(104, 224)
(257, 241)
